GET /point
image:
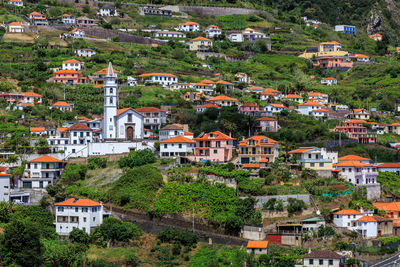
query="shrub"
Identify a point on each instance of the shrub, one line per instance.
(95, 163)
(79, 236)
(115, 230)
(295, 205)
(137, 158)
(177, 236)
(73, 173)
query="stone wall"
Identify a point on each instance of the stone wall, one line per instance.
(112, 157)
(264, 199)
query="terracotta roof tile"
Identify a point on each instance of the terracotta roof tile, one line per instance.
(300, 150)
(45, 159)
(156, 74)
(353, 163)
(80, 202)
(37, 129)
(79, 126)
(32, 94)
(257, 244)
(61, 104)
(366, 219)
(217, 135)
(258, 139)
(266, 119)
(251, 165)
(389, 165)
(178, 139)
(323, 254)
(348, 212)
(148, 109)
(222, 98)
(71, 61)
(352, 157)
(200, 38)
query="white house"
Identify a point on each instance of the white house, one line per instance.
(176, 146)
(80, 134)
(323, 258)
(76, 33)
(274, 108)
(308, 107)
(16, 3)
(236, 36)
(367, 227)
(318, 97)
(31, 97)
(68, 19)
(189, 26)
(4, 187)
(329, 81)
(347, 218)
(319, 113)
(212, 31)
(38, 131)
(107, 10)
(169, 34)
(72, 64)
(174, 130)
(85, 52)
(389, 167)
(358, 173)
(62, 105)
(41, 172)
(204, 88)
(84, 214)
(206, 106)
(268, 93)
(131, 81)
(257, 247)
(164, 79)
(177, 86)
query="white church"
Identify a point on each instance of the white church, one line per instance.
(121, 130)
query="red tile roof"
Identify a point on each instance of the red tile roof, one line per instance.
(200, 38)
(266, 119)
(156, 74)
(352, 157)
(251, 165)
(66, 72)
(257, 244)
(62, 130)
(14, 24)
(209, 105)
(389, 165)
(293, 96)
(353, 163)
(310, 103)
(80, 202)
(300, 150)
(277, 105)
(249, 105)
(148, 109)
(190, 23)
(37, 129)
(98, 86)
(61, 104)
(45, 159)
(217, 135)
(104, 72)
(222, 98)
(71, 61)
(348, 212)
(258, 139)
(366, 219)
(4, 174)
(178, 139)
(32, 94)
(122, 110)
(79, 126)
(224, 82)
(387, 206)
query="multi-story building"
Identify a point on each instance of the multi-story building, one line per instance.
(318, 97)
(176, 146)
(329, 81)
(204, 107)
(347, 218)
(235, 36)
(84, 214)
(270, 93)
(249, 109)
(69, 77)
(31, 97)
(169, 34)
(204, 88)
(274, 108)
(389, 167)
(359, 114)
(256, 148)
(164, 79)
(354, 158)
(223, 101)
(214, 146)
(19, 3)
(393, 128)
(367, 227)
(4, 187)
(212, 31)
(174, 130)
(99, 77)
(152, 117)
(200, 44)
(307, 107)
(346, 29)
(76, 33)
(41, 172)
(334, 62)
(68, 19)
(38, 19)
(354, 129)
(392, 210)
(85, 52)
(15, 27)
(72, 64)
(189, 26)
(85, 21)
(267, 124)
(62, 106)
(323, 258)
(107, 10)
(293, 98)
(315, 158)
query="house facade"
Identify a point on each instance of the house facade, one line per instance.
(69, 77)
(212, 31)
(189, 26)
(68, 19)
(5, 187)
(324, 258)
(200, 44)
(152, 117)
(223, 101)
(176, 146)
(164, 79)
(84, 52)
(72, 64)
(354, 129)
(315, 158)
(174, 130)
(19, 3)
(168, 34)
(257, 247)
(257, 148)
(267, 124)
(15, 27)
(32, 98)
(308, 107)
(349, 29)
(62, 106)
(214, 146)
(329, 81)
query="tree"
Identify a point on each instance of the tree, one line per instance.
(73, 173)
(21, 243)
(115, 230)
(79, 236)
(137, 158)
(295, 205)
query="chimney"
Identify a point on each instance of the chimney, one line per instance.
(185, 127)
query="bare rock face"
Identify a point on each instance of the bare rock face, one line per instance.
(374, 22)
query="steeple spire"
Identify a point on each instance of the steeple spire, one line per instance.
(110, 70)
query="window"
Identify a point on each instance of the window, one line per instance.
(321, 261)
(215, 151)
(60, 209)
(87, 133)
(330, 262)
(94, 219)
(311, 261)
(321, 164)
(84, 209)
(312, 164)
(180, 145)
(129, 117)
(84, 219)
(75, 133)
(76, 209)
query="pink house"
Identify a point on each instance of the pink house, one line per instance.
(249, 109)
(214, 146)
(67, 77)
(267, 124)
(355, 129)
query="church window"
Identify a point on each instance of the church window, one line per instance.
(111, 100)
(111, 90)
(129, 117)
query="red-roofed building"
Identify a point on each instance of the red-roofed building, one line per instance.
(62, 105)
(274, 108)
(376, 37)
(393, 128)
(76, 33)
(308, 107)
(206, 106)
(72, 64)
(38, 131)
(360, 57)
(329, 81)
(293, 97)
(189, 26)
(315, 158)
(354, 129)
(212, 31)
(267, 124)
(41, 172)
(334, 62)
(176, 146)
(15, 27)
(164, 79)
(223, 101)
(69, 77)
(359, 114)
(19, 3)
(249, 109)
(255, 148)
(84, 214)
(269, 93)
(367, 227)
(318, 97)
(257, 247)
(214, 146)
(347, 218)
(389, 167)
(38, 19)
(31, 97)
(354, 158)
(68, 19)
(173, 130)
(152, 117)
(200, 44)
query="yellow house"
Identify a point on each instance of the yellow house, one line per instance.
(15, 27)
(326, 49)
(317, 159)
(200, 44)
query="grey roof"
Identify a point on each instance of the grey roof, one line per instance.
(323, 254)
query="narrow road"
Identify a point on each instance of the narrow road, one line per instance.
(391, 262)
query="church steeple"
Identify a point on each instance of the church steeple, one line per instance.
(110, 103)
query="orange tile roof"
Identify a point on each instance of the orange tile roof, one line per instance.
(191, 23)
(358, 109)
(300, 150)
(62, 130)
(360, 55)
(310, 103)
(200, 38)
(266, 119)
(292, 96)
(207, 81)
(257, 244)
(79, 126)
(66, 15)
(187, 133)
(148, 109)
(76, 29)
(217, 135)
(71, 61)
(66, 72)
(156, 74)
(224, 82)
(35, 13)
(61, 104)
(222, 98)
(333, 42)
(97, 86)
(4, 174)
(277, 105)
(258, 139)
(14, 24)
(387, 206)
(329, 78)
(80, 202)
(32, 94)
(270, 91)
(320, 109)
(37, 129)
(249, 105)
(395, 124)
(366, 219)
(355, 121)
(352, 157)
(353, 163)
(389, 165)
(314, 94)
(45, 158)
(104, 72)
(265, 160)
(348, 212)
(178, 139)
(3, 168)
(251, 165)
(209, 105)
(375, 35)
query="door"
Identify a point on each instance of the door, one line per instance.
(129, 133)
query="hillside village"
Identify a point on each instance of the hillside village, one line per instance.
(135, 134)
